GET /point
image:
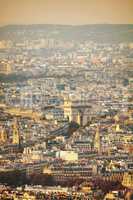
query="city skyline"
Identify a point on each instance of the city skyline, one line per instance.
(66, 99)
(66, 12)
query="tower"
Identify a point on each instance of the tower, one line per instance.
(3, 136)
(78, 118)
(16, 138)
(68, 109)
(109, 145)
(117, 125)
(97, 144)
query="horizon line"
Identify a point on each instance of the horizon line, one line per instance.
(89, 24)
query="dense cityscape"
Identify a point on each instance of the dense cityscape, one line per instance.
(66, 112)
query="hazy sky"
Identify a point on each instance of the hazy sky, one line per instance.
(65, 11)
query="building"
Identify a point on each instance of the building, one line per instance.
(69, 156)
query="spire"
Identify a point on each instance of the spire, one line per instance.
(78, 118)
(15, 133)
(97, 144)
(117, 125)
(3, 135)
(68, 109)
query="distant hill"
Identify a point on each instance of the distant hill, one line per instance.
(99, 32)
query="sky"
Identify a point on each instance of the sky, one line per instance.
(73, 12)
